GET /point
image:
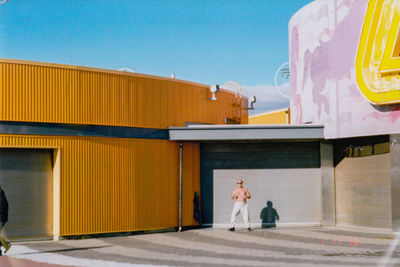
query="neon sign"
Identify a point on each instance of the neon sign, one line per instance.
(378, 55)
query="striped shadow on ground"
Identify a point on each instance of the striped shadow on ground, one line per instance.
(208, 247)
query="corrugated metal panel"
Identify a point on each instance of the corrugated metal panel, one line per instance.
(111, 184)
(258, 159)
(26, 178)
(295, 194)
(245, 113)
(363, 191)
(38, 92)
(190, 181)
(274, 117)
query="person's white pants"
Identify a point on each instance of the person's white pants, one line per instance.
(240, 207)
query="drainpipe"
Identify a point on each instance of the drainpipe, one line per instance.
(180, 185)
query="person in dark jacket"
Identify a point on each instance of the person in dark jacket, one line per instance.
(196, 207)
(3, 220)
(268, 216)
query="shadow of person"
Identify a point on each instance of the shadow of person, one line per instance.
(268, 216)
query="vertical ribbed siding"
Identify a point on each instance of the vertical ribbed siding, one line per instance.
(363, 191)
(42, 93)
(190, 181)
(26, 177)
(111, 184)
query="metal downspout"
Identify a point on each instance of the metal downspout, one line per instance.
(180, 185)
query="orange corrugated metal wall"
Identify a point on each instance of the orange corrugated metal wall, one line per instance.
(112, 184)
(190, 180)
(42, 93)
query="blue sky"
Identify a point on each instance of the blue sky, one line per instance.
(198, 40)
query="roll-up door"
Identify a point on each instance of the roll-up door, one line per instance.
(26, 178)
(363, 194)
(295, 194)
(288, 174)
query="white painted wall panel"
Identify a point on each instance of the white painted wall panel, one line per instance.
(295, 193)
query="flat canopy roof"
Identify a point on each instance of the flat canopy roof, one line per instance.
(246, 132)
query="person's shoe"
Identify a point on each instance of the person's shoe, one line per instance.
(8, 247)
(249, 229)
(232, 229)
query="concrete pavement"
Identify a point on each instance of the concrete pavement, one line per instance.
(296, 246)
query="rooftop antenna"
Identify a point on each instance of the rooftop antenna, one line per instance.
(284, 73)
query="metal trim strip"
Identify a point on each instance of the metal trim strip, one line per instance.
(39, 128)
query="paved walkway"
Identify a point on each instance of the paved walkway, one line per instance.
(310, 246)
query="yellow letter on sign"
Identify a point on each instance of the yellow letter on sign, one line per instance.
(378, 55)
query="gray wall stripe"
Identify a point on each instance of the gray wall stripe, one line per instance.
(38, 128)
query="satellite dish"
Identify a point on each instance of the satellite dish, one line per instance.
(284, 74)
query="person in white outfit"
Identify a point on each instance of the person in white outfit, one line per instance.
(240, 195)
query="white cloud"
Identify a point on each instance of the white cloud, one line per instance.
(268, 98)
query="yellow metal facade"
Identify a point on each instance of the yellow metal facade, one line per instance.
(190, 181)
(113, 184)
(281, 116)
(65, 94)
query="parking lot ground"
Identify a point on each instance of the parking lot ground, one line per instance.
(282, 246)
